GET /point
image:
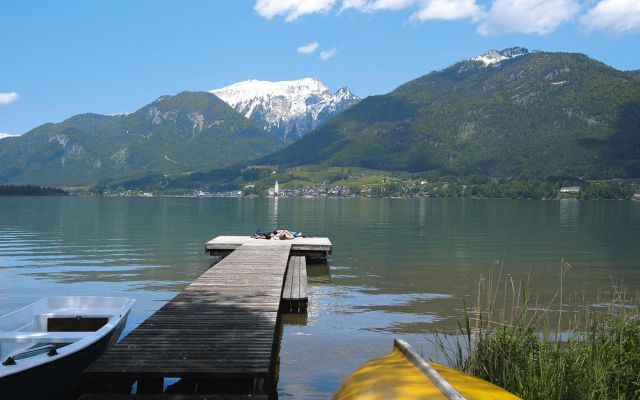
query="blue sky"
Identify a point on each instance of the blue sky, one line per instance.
(60, 58)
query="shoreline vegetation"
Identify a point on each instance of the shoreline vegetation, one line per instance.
(28, 190)
(382, 186)
(321, 181)
(567, 349)
(349, 182)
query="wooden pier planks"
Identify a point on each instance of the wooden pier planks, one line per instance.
(222, 326)
(295, 291)
(319, 247)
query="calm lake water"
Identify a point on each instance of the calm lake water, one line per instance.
(400, 268)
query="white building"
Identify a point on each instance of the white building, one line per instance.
(275, 190)
(570, 189)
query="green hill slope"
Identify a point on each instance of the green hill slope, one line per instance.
(534, 115)
(188, 131)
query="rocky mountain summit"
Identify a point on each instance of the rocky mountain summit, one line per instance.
(289, 109)
(492, 57)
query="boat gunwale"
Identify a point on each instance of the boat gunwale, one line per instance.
(116, 314)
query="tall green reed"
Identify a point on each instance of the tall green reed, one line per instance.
(558, 349)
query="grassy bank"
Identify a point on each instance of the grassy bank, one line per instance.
(559, 350)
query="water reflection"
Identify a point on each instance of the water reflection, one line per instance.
(295, 319)
(569, 214)
(399, 268)
(422, 213)
(318, 273)
(273, 212)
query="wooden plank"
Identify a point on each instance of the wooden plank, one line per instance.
(295, 291)
(222, 326)
(303, 292)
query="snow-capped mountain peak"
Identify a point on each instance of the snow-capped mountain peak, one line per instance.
(494, 56)
(5, 135)
(288, 108)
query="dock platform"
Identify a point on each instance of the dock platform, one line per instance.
(220, 335)
(313, 247)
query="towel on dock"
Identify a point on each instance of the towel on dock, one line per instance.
(278, 234)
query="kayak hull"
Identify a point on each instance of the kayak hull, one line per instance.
(403, 374)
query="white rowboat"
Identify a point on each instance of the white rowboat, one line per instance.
(45, 346)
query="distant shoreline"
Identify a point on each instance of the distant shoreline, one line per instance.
(515, 190)
(28, 190)
(177, 196)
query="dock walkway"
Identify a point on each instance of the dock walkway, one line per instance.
(319, 247)
(294, 294)
(220, 335)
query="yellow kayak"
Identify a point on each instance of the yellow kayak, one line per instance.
(403, 374)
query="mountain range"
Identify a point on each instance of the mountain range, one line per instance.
(185, 132)
(174, 134)
(289, 109)
(509, 113)
(504, 113)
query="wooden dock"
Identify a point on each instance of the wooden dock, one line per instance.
(295, 292)
(312, 247)
(221, 335)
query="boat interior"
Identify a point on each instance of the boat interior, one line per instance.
(52, 323)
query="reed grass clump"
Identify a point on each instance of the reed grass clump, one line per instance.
(554, 351)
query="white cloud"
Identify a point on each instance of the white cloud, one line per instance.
(353, 4)
(539, 17)
(5, 135)
(448, 10)
(426, 9)
(327, 54)
(501, 17)
(292, 9)
(618, 16)
(7, 98)
(393, 5)
(308, 48)
(377, 5)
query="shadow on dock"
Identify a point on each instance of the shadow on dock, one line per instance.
(203, 363)
(220, 336)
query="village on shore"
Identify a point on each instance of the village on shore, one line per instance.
(422, 188)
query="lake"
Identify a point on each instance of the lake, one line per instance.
(400, 267)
